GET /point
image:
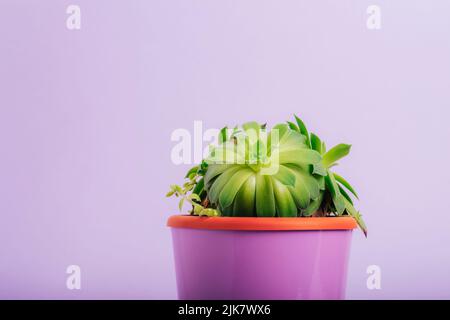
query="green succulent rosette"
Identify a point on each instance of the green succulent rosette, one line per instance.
(284, 172)
(254, 172)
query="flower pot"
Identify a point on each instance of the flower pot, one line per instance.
(261, 258)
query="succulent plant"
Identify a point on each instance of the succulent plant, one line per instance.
(334, 198)
(285, 172)
(251, 174)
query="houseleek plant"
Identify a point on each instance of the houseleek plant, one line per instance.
(284, 172)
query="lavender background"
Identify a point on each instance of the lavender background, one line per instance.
(86, 118)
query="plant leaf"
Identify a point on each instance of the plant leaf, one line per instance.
(215, 170)
(282, 129)
(324, 147)
(321, 181)
(194, 197)
(313, 206)
(338, 199)
(232, 187)
(180, 204)
(199, 186)
(170, 193)
(300, 194)
(299, 156)
(265, 200)
(252, 130)
(191, 171)
(223, 135)
(347, 185)
(293, 126)
(319, 169)
(334, 154)
(244, 203)
(355, 214)
(285, 204)
(208, 212)
(285, 176)
(345, 194)
(309, 182)
(303, 130)
(220, 182)
(316, 143)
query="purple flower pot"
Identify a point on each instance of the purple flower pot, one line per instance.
(261, 258)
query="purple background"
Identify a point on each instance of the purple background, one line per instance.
(86, 118)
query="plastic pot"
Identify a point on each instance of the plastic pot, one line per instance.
(261, 258)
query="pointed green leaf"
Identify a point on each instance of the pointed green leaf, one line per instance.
(329, 185)
(309, 182)
(345, 194)
(191, 171)
(355, 214)
(285, 176)
(324, 147)
(230, 189)
(303, 129)
(170, 193)
(223, 135)
(306, 187)
(339, 204)
(335, 153)
(284, 202)
(347, 185)
(180, 204)
(292, 140)
(316, 143)
(293, 126)
(299, 156)
(214, 171)
(300, 194)
(335, 194)
(220, 182)
(199, 186)
(265, 200)
(244, 203)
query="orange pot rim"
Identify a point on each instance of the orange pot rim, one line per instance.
(261, 223)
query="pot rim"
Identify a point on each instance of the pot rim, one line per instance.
(262, 223)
